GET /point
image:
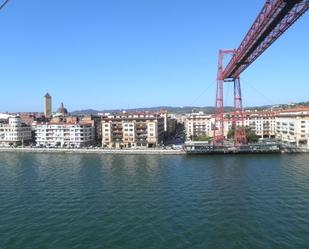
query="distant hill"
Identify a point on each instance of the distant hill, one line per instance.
(169, 109)
(304, 103)
(186, 109)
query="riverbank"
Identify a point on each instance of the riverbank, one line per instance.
(142, 151)
(98, 151)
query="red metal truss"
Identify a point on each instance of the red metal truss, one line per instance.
(238, 124)
(274, 19)
(238, 119)
(219, 117)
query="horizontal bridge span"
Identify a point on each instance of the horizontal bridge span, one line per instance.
(274, 19)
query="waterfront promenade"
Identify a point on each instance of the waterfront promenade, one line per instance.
(97, 151)
(148, 151)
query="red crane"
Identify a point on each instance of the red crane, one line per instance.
(274, 19)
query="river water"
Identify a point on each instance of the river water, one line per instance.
(153, 201)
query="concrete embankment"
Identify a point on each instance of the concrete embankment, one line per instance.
(97, 151)
(294, 150)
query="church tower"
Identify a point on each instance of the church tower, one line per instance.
(47, 105)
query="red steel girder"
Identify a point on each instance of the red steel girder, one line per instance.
(274, 19)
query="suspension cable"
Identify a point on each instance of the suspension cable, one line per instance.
(3, 4)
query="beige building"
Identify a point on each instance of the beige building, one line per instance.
(263, 123)
(14, 132)
(199, 124)
(131, 130)
(48, 105)
(292, 127)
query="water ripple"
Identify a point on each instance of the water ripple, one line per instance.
(134, 201)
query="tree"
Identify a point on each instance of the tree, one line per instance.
(250, 134)
(201, 138)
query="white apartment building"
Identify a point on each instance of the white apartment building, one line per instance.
(131, 130)
(292, 127)
(199, 124)
(13, 131)
(289, 126)
(64, 134)
(262, 123)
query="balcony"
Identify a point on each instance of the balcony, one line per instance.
(141, 136)
(117, 137)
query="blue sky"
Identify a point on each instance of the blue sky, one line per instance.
(106, 54)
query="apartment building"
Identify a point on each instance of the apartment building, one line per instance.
(171, 127)
(262, 123)
(64, 132)
(13, 131)
(131, 130)
(292, 127)
(199, 124)
(170, 124)
(95, 120)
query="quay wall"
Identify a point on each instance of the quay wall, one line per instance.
(97, 151)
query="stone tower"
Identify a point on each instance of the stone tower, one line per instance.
(47, 105)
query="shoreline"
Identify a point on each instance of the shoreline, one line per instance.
(97, 151)
(136, 151)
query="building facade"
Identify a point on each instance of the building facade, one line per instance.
(14, 132)
(292, 128)
(96, 122)
(199, 124)
(131, 130)
(171, 127)
(64, 133)
(262, 123)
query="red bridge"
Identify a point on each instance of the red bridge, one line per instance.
(274, 19)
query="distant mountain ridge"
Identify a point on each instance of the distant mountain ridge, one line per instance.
(170, 109)
(184, 109)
